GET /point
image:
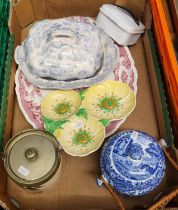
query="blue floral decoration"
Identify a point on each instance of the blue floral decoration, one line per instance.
(136, 151)
(133, 165)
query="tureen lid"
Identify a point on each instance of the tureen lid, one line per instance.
(39, 76)
(31, 157)
(132, 162)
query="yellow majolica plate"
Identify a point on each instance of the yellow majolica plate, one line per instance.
(109, 100)
(80, 136)
(59, 104)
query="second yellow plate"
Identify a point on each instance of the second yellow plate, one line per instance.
(109, 100)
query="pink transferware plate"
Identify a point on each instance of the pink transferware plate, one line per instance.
(30, 97)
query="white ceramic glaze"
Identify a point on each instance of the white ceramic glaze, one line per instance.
(119, 24)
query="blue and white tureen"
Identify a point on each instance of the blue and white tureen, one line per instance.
(66, 53)
(132, 162)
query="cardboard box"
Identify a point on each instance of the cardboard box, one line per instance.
(77, 189)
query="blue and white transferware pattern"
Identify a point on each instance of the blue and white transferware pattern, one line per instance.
(66, 53)
(132, 162)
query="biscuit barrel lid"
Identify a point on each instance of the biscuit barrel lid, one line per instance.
(32, 157)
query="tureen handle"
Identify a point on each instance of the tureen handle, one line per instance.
(19, 55)
(63, 34)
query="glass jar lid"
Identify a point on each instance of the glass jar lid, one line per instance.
(32, 157)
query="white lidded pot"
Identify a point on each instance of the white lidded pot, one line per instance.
(120, 24)
(32, 160)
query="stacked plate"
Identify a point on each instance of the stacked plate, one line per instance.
(73, 53)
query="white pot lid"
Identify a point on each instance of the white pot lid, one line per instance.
(132, 162)
(122, 18)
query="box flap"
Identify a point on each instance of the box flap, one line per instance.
(28, 11)
(62, 8)
(24, 12)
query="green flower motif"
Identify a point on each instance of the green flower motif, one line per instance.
(109, 104)
(62, 108)
(82, 113)
(82, 137)
(82, 94)
(51, 125)
(104, 122)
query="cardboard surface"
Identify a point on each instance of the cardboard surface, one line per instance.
(29, 10)
(77, 188)
(78, 184)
